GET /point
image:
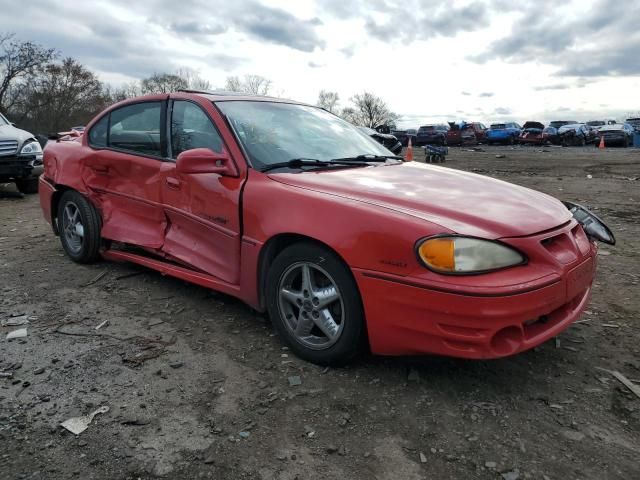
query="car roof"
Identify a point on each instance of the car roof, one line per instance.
(224, 95)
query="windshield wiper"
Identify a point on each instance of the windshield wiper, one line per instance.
(312, 162)
(367, 157)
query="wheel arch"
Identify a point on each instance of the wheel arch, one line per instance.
(276, 244)
(60, 190)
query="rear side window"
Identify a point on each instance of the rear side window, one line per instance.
(191, 128)
(136, 128)
(98, 133)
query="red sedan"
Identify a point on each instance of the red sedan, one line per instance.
(300, 214)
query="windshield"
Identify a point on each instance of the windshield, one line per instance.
(498, 126)
(273, 132)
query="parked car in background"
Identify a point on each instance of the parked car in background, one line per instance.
(507, 133)
(20, 157)
(635, 123)
(386, 139)
(403, 136)
(619, 134)
(532, 134)
(464, 133)
(550, 136)
(596, 124)
(299, 214)
(432, 135)
(576, 135)
(562, 123)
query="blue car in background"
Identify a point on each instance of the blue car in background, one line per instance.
(506, 133)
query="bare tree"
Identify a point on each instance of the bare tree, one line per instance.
(18, 61)
(162, 83)
(61, 96)
(328, 100)
(370, 110)
(252, 84)
(193, 79)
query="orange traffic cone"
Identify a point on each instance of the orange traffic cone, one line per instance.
(601, 146)
(408, 156)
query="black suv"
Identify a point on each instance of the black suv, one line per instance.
(20, 157)
(432, 135)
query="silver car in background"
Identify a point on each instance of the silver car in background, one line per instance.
(20, 157)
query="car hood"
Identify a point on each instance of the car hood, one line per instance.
(458, 201)
(9, 132)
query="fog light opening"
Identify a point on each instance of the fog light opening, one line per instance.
(507, 341)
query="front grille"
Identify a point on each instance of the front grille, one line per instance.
(8, 147)
(15, 167)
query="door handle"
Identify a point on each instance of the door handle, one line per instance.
(173, 183)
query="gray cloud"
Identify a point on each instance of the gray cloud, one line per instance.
(601, 41)
(410, 20)
(502, 111)
(196, 29)
(555, 86)
(104, 42)
(466, 94)
(486, 94)
(279, 26)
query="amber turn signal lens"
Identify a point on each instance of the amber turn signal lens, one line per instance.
(439, 253)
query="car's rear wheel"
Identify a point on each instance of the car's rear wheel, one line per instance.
(79, 226)
(315, 305)
(28, 185)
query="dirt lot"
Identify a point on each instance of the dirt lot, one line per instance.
(198, 385)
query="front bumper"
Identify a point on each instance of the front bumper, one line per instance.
(408, 317)
(46, 190)
(17, 167)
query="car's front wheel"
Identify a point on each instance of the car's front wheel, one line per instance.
(79, 227)
(315, 305)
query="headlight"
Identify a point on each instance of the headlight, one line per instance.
(460, 255)
(31, 148)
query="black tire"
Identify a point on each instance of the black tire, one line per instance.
(352, 337)
(88, 251)
(511, 141)
(28, 185)
(582, 142)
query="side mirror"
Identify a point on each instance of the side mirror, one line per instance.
(204, 160)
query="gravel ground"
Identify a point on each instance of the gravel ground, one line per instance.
(198, 385)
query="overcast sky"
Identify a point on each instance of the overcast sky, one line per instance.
(430, 60)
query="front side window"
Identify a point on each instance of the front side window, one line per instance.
(98, 133)
(136, 128)
(191, 128)
(273, 132)
(3, 121)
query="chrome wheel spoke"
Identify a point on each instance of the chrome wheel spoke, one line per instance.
(307, 281)
(326, 296)
(327, 324)
(304, 326)
(293, 297)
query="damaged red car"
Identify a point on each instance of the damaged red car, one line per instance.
(298, 213)
(532, 134)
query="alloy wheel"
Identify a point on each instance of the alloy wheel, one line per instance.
(72, 227)
(311, 305)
